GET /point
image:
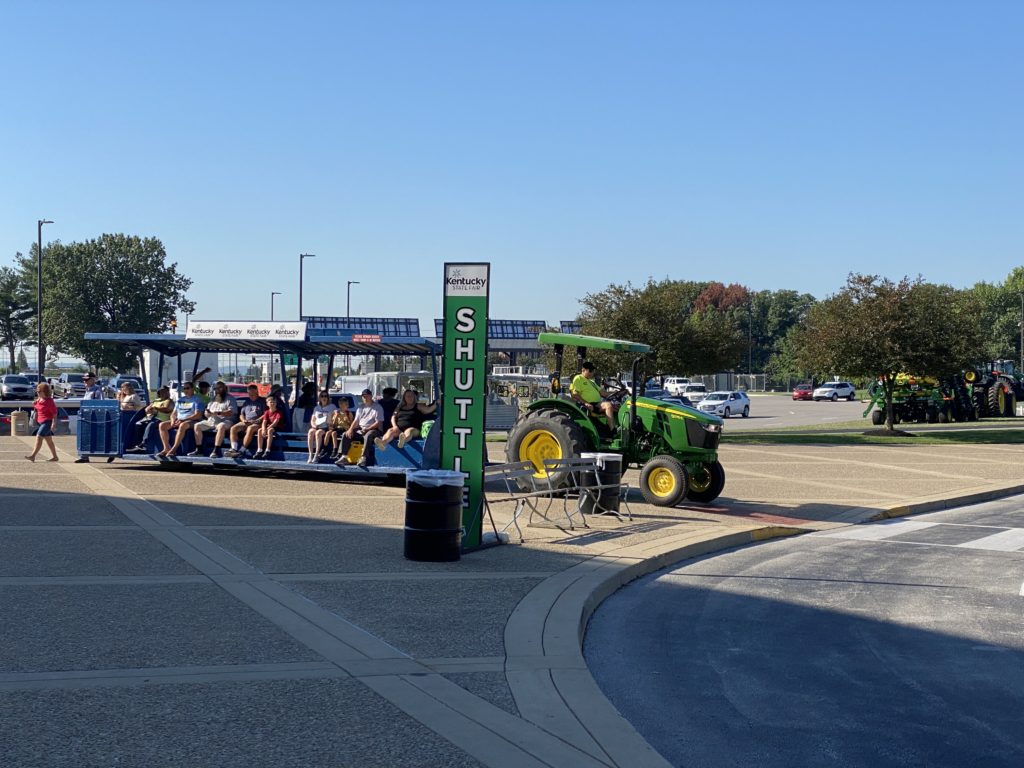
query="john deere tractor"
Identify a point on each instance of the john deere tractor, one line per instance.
(675, 447)
(995, 388)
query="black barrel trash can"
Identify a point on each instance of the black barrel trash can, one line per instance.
(609, 472)
(433, 515)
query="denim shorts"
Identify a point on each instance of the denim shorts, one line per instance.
(45, 429)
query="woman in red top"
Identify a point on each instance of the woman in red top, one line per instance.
(269, 422)
(46, 414)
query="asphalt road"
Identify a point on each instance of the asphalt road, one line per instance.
(889, 644)
(774, 411)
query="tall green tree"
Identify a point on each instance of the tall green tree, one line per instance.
(878, 328)
(692, 327)
(1000, 317)
(17, 309)
(113, 284)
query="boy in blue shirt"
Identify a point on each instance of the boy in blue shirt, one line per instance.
(188, 410)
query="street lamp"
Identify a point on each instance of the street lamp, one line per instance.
(302, 257)
(39, 300)
(272, 295)
(348, 315)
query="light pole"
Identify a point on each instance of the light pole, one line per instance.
(302, 257)
(39, 300)
(272, 295)
(348, 315)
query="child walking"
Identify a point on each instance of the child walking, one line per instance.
(46, 414)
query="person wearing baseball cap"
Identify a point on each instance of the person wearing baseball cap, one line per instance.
(93, 391)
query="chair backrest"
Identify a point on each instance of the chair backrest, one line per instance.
(514, 472)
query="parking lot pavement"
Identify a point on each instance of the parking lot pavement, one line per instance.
(206, 617)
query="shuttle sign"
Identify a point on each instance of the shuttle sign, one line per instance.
(466, 293)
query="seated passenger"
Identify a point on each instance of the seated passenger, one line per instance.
(319, 426)
(248, 424)
(341, 420)
(157, 412)
(388, 402)
(406, 421)
(220, 415)
(270, 421)
(128, 399)
(367, 423)
(188, 410)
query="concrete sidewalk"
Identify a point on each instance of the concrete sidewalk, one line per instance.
(158, 617)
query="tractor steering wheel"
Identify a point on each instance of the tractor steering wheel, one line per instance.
(619, 391)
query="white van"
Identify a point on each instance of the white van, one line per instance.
(674, 384)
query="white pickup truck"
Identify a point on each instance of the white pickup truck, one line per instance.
(674, 384)
(694, 392)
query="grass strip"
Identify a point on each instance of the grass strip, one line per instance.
(951, 437)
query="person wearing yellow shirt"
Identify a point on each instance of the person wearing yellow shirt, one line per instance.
(585, 391)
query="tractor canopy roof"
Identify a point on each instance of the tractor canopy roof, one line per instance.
(592, 342)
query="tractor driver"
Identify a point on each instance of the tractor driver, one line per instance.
(585, 391)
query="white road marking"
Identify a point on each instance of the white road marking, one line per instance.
(1005, 541)
(878, 531)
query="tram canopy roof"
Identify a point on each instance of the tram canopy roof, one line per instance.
(173, 345)
(592, 342)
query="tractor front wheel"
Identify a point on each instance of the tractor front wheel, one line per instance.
(663, 481)
(706, 483)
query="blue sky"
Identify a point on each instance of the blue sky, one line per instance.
(571, 144)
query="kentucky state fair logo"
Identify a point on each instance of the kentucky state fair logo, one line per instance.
(458, 281)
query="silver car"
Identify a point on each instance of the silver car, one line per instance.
(14, 387)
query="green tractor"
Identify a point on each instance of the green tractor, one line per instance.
(995, 388)
(675, 447)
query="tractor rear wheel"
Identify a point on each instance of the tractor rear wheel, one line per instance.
(877, 417)
(663, 481)
(997, 396)
(706, 483)
(546, 434)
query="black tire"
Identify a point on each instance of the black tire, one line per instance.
(931, 415)
(546, 434)
(706, 485)
(664, 481)
(996, 397)
(877, 417)
(945, 415)
(746, 411)
(853, 396)
(727, 414)
(835, 397)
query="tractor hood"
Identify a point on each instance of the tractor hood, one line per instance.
(675, 411)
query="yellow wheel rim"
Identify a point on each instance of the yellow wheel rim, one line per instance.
(970, 376)
(700, 481)
(1001, 400)
(537, 446)
(661, 481)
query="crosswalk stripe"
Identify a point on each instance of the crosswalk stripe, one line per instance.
(1004, 541)
(878, 531)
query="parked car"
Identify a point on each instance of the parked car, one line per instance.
(70, 385)
(803, 392)
(674, 384)
(834, 390)
(725, 404)
(14, 386)
(693, 392)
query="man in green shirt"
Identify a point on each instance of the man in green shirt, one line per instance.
(585, 391)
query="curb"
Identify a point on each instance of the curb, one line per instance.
(545, 668)
(933, 505)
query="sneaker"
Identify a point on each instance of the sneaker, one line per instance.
(361, 464)
(216, 454)
(343, 461)
(82, 460)
(311, 460)
(379, 443)
(193, 453)
(402, 440)
(231, 453)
